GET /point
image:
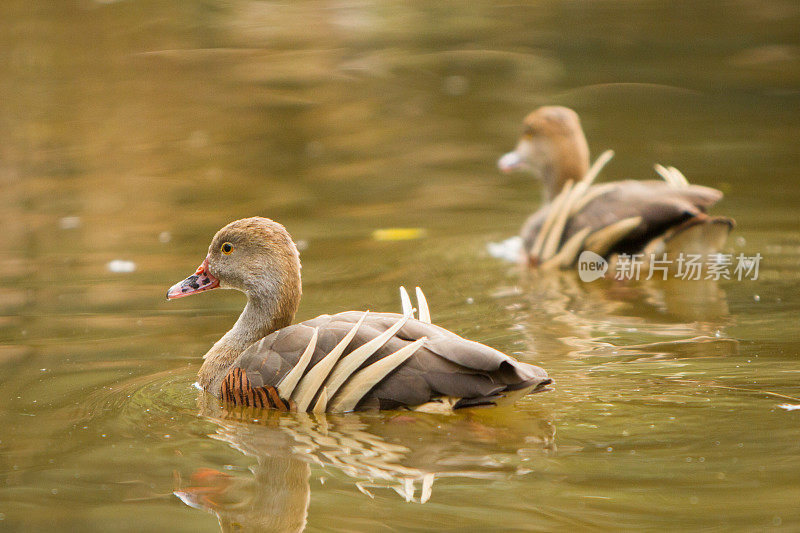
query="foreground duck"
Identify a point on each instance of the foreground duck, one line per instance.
(348, 361)
(650, 217)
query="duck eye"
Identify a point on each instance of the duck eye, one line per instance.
(226, 248)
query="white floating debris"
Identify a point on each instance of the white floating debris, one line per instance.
(508, 250)
(69, 223)
(301, 244)
(790, 406)
(198, 139)
(456, 85)
(164, 237)
(314, 149)
(120, 266)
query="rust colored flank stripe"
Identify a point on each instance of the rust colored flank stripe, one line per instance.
(236, 389)
(275, 399)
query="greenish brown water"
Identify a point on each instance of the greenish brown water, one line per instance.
(156, 122)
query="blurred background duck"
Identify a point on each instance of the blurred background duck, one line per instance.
(652, 217)
(348, 361)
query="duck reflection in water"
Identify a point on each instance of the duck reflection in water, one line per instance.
(399, 451)
(557, 312)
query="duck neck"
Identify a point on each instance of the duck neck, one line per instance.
(569, 162)
(551, 182)
(261, 316)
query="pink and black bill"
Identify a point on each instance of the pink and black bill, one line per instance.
(200, 281)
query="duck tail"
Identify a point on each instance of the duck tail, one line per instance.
(700, 235)
(530, 380)
(507, 397)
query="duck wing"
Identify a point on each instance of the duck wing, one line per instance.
(623, 217)
(356, 360)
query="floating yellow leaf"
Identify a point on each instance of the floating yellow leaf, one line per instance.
(398, 234)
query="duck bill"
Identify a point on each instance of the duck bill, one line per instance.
(510, 162)
(200, 281)
(520, 157)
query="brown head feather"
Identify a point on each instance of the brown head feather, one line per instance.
(264, 264)
(567, 153)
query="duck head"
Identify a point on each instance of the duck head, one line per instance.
(254, 255)
(552, 147)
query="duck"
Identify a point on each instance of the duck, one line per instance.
(648, 217)
(347, 361)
